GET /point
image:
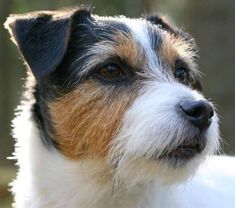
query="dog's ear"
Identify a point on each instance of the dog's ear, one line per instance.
(42, 37)
(162, 22)
(166, 24)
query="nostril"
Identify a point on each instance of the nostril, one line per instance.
(198, 112)
(197, 109)
(211, 114)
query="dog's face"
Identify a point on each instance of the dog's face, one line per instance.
(124, 90)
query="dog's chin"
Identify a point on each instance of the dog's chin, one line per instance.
(175, 166)
(167, 171)
(183, 153)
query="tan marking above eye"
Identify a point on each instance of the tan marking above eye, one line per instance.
(86, 119)
(128, 49)
(175, 48)
(123, 46)
(168, 50)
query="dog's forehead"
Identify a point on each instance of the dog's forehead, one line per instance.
(134, 41)
(143, 32)
(139, 42)
(140, 28)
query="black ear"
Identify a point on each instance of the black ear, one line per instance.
(42, 38)
(166, 25)
(162, 22)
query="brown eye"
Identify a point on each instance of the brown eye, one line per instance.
(181, 74)
(111, 72)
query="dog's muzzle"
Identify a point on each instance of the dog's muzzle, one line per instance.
(199, 116)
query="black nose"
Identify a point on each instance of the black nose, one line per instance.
(198, 112)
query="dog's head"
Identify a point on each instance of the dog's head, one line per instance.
(119, 89)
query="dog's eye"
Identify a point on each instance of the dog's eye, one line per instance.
(181, 74)
(111, 72)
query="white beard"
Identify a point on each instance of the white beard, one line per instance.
(46, 179)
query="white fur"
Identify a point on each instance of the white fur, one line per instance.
(152, 125)
(46, 179)
(141, 35)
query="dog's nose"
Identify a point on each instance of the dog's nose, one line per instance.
(198, 112)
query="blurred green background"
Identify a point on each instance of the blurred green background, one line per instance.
(212, 23)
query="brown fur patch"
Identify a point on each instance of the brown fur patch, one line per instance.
(128, 49)
(168, 50)
(173, 47)
(86, 119)
(123, 46)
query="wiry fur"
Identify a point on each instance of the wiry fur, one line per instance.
(85, 142)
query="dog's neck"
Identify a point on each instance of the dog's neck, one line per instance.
(74, 184)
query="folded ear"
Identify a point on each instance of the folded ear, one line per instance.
(42, 38)
(166, 25)
(162, 22)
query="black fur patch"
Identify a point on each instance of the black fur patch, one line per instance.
(42, 117)
(157, 20)
(42, 41)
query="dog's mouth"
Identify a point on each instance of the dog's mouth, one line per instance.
(186, 150)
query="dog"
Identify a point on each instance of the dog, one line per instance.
(113, 116)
